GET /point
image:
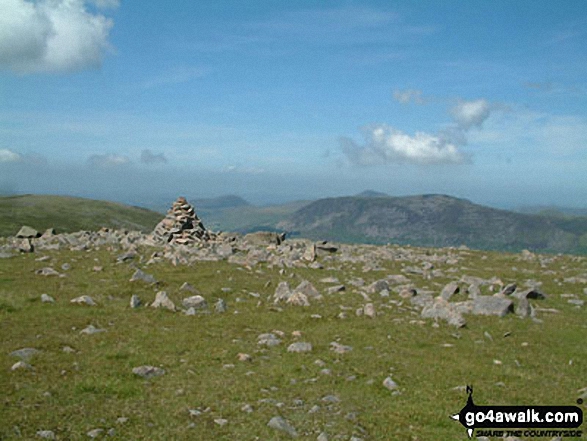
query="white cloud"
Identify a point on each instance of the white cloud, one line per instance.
(108, 161)
(409, 95)
(148, 157)
(469, 114)
(243, 170)
(7, 155)
(384, 144)
(52, 35)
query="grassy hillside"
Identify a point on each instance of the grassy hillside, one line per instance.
(68, 214)
(79, 383)
(436, 220)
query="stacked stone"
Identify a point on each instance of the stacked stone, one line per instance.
(181, 225)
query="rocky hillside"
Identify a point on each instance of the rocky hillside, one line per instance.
(69, 214)
(435, 220)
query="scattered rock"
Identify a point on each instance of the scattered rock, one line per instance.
(491, 305)
(148, 372)
(340, 349)
(91, 329)
(25, 353)
(163, 301)
(141, 276)
(300, 347)
(268, 340)
(197, 302)
(95, 433)
(21, 365)
(298, 299)
(84, 300)
(220, 306)
(27, 232)
(46, 434)
(135, 301)
(389, 384)
(449, 290)
(48, 271)
(45, 298)
(278, 423)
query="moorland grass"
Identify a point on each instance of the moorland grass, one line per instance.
(72, 393)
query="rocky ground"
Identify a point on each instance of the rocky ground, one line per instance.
(188, 334)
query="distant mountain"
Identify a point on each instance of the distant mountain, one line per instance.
(435, 220)
(372, 194)
(69, 214)
(219, 203)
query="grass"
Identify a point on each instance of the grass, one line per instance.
(72, 393)
(69, 214)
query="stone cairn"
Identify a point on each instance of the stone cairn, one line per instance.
(181, 225)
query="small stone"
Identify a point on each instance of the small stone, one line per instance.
(196, 302)
(268, 340)
(95, 433)
(21, 365)
(48, 271)
(143, 277)
(300, 347)
(84, 300)
(163, 301)
(340, 349)
(247, 408)
(25, 353)
(244, 357)
(330, 399)
(135, 301)
(221, 421)
(121, 420)
(46, 434)
(388, 383)
(369, 310)
(148, 372)
(90, 330)
(220, 306)
(46, 298)
(278, 423)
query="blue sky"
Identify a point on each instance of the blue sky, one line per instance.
(276, 101)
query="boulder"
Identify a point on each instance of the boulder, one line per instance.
(163, 301)
(27, 232)
(492, 305)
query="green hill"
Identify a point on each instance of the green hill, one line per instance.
(68, 214)
(435, 220)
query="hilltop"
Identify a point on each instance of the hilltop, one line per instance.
(68, 214)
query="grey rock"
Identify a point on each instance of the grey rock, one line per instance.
(84, 300)
(298, 299)
(443, 310)
(141, 276)
(282, 292)
(91, 329)
(48, 271)
(340, 349)
(264, 238)
(490, 305)
(21, 365)
(532, 293)
(308, 290)
(322, 437)
(473, 291)
(163, 301)
(268, 340)
(46, 434)
(300, 347)
(449, 290)
(378, 286)
(95, 433)
(135, 301)
(369, 310)
(220, 306)
(389, 384)
(278, 423)
(25, 353)
(46, 298)
(148, 372)
(523, 308)
(408, 293)
(334, 289)
(189, 288)
(27, 232)
(197, 302)
(24, 246)
(509, 289)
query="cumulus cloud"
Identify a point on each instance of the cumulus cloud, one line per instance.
(468, 114)
(148, 157)
(52, 35)
(385, 144)
(108, 161)
(7, 155)
(408, 96)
